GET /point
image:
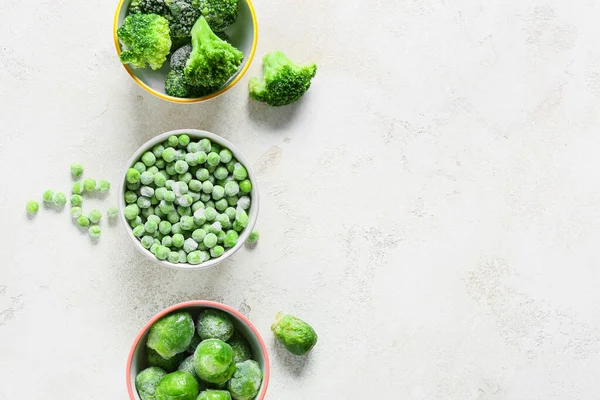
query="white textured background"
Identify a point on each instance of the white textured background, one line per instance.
(431, 207)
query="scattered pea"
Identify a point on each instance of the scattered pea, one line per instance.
(77, 188)
(83, 221)
(76, 200)
(112, 212)
(89, 185)
(59, 199)
(254, 236)
(76, 170)
(48, 196)
(94, 216)
(103, 186)
(32, 207)
(95, 231)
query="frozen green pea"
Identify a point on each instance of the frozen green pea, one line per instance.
(132, 211)
(169, 184)
(170, 169)
(194, 257)
(215, 227)
(195, 196)
(202, 247)
(147, 240)
(237, 226)
(95, 216)
(218, 192)
(103, 186)
(197, 206)
(146, 212)
(232, 188)
(181, 167)
(155, 219)
(47, 196)
(206, 227)
(76, 169)
(232, 201)
(177, 240)
(138, 231)
(202, 174)
(59, 199)
(139, 166)
(210, 204)
(225, 156)
(153, 170)
(173, 217)
(195, 185)
(198, 235)
(216, 147)
(148, 158)
(221, 236)
(201, 157)
(135, 222)
(94, 231)
(185, 200)
(173, 257)
(244, 202)
(133, 186)
(210, 240)
(182, 256)
(112, 212)
(184, 211)
(130, 197)
(147, 191)
(245, 186)
(132, 176)
(210, 214)
(193, 147)
(159, 180)
(170, 196)
(204, 197)
(187, 177)
(242, 217)
(162, 252)
(157, 150)
(164, 227)
(146, 178)
(190, 159)
(154, 247)
(176, 228)
(169, 154)
(143, 202)
(224, 220)
(83, 221)
(77, 188)
(200, 216)
(254, 236)
(221, 173)
(32, 207)
(76, 200)
(213, 159)
(154, 201)
(160, 192)
(160, 163)
(239, 172)
(230, 212)
(187, 223)
(184, 140)
(173, 141)
(217, 251)
(221, 205)
(166, 207)
(76, 212)
(207, 187)
(180, 188)
(190, 245)
(231, 165)
(205, 145)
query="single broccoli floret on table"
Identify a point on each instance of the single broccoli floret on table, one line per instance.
(283, 81)
(218, 13)
(182, 16)
(212, 61)
(146, 40)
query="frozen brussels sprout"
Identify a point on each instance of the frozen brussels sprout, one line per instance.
(245, 383)
(214, 324)
(193, 344)
(297, 336)
(147, 381)
(177, 386)
(214, 395)
(214, 361)
(171, 334)
(241, 348)
(169, 365)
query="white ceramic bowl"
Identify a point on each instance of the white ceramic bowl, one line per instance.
(243, 34)
(136, 361)
(194, 134)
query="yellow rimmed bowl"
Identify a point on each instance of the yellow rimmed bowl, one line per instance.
(243, 34)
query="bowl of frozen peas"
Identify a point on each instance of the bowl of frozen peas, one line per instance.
(188, 199)
(198, 350)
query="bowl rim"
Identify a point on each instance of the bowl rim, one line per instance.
(166, 97)
(202, 303)
(252, 212)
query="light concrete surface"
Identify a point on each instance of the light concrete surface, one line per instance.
(431, 207)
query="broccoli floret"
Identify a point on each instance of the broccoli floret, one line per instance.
(218, 13)
(283, 81)
(158, 7)
(177, 85)
(146, 40)
(135, 7)
(212, 61)
(182, 17)
(180, 56)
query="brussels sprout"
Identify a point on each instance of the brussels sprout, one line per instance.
(193, 344)
(214, 395)
(214, 324)
(241, 348)
(245, 383)
(147, 381)
(171, 334)
(214, 361)
(177, 386)
(169, 365)
(295, 335)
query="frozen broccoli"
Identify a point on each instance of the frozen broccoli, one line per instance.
(180, 56)
(135, 7)
(246, 379)
(177, 85)
(182, 16)
(146, 40)
(147, 381)
(295, 335)
(212, 61)
(218, 13)
(283, 81)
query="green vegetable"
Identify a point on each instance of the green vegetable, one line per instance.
(89, 185)
(146, 40)
(76, 170)
(76, 200)
(83, 221)
(212, 61)
(193, 344)
(76, 212)
(231, 239)
(214, 361)
(214, 324)
(188, 366)
(246, 380)
(178, 85)
(48, 196)
(147, 381)
(169, 365)
(296, 335)
(59, 199)
(171, 334)
(180, 56)
(241, 348)
(112, 212)
(132, 211)
(253, 238)
(103, 186)
(32, 207)
(95, 231)
(177, 386)
(77, 188)
(283, 81)
(95, 216)
(219, 14)
(214, 395)
(210, 240)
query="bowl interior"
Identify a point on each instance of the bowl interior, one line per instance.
(242, 34)
(138, 360)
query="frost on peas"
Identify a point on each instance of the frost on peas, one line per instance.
(173, 217)
(176, 228)
(199, 216)
(130, 197)
(48, 196)
(254, 236)
(94, 231)
(190, 245)
(162, 252)
(205, 145)
(147, 241)
(169, 184)
(112, 212)
(241, 217)
(198, 235)
(95, 216)
(146, 212)
(170, 196)
(59, 199)
(89, 185)
(218, 192)
(159, 180)
(244, 202)
(32, 207)
(221, 205)
(221, 173)
(195, 257)
(148, 158)
(157, 150)
(147, 381)
(211, 394)
(76, 212)
(202, 174)
(213, 159)
(132, 176)
(166, 207)
(146, 178)
(210, 213)
(159, 193)
(103, 186)
(83, 221)
(169, 154)
(297, 336)
(173, 257)
(181, 167)
(214, 361)
(147, 191)
(192, 147)
(139, 231)
(137, 221)
(76, 200)
(215, 227)
(132, 211)
(187, 223)
(182, 256)
(167, 241)
(217, 251)
(171, 334)
(139, 166)
(241, 348)
(210, 240)
(150, 226)
(231, 239)
(225, 156)
(185, 200)
(230, 212)
(77, 188)
(76, 169)
(195, 196)
(223, 219)
(143, 202)
(154, 247)
(232, 188)
(246, 380)
(180, 188)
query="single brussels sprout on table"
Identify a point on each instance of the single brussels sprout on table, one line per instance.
(297, 336)
(245, 383)
(177, 386)
(214, 324)
(171, 334)
(214, 361)
(168, 364)
(214, 395)
(241, 348)
(147, 381)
